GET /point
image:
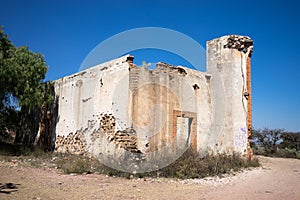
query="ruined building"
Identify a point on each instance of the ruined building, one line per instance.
(116, 108)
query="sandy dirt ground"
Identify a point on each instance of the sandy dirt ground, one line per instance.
(278, 178)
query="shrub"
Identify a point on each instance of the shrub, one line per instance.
(190, 165)
(275, 143)
(288, 153)
(75, 165)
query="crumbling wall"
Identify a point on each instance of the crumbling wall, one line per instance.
(125, 139)
(121, 106)
(119, 111)
(73, 143)
(158, 94)
(86, 114)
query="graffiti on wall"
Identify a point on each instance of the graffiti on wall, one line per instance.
(241, 138)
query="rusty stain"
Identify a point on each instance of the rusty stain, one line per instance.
(249, 104)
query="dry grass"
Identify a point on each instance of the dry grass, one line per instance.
(189, 165)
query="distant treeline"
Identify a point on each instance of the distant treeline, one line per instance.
(275, 142)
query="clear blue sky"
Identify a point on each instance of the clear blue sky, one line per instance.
(66, 31)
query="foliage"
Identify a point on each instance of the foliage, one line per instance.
(78, 165)
(22, 90)
(276, 142)
(291, 140)
(21, 72)
(190, 165)
(269, 138)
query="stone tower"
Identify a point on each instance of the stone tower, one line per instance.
(228, 62)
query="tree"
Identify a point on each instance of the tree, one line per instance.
(22, 89)
(291, 140)
(269, 138)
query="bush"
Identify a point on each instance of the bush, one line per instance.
(276, 143)
(74, 164)
(190, 165)
(288, 153)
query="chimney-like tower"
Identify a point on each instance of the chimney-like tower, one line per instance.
(228, 62)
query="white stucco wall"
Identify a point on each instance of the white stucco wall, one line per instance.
(116, 106)
(229, 106)
(84, 97)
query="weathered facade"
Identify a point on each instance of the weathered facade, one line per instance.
(118, 107)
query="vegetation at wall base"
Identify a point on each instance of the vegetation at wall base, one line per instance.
(188, 166)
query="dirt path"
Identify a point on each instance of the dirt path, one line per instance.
(278, 179)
